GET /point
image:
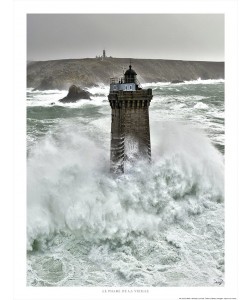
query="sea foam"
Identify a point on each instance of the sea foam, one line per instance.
(70, 188)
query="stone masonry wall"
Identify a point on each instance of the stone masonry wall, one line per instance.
(130, 131)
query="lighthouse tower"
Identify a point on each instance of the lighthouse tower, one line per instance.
(130, 132)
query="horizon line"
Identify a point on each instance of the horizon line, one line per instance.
(99, 58)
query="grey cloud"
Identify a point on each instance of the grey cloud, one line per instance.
(166, 36)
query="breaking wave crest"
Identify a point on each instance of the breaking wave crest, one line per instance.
(186, 82)
(70, 188)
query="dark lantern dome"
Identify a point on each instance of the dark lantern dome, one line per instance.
(130, 71)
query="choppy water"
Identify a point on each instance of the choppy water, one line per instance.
(157, 225)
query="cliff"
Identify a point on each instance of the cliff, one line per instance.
(61, 74)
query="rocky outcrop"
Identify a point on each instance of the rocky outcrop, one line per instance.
(59, 74)
(75, 93)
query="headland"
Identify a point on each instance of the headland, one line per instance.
(87, 72)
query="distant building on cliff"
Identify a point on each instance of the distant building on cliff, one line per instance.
(103, 56)
(130, 131)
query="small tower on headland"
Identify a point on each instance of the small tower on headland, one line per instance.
(130, 132)
(103, 54)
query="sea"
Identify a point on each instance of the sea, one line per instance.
(157, 225)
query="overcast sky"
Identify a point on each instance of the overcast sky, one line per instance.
(166, 36)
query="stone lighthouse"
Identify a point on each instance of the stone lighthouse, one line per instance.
(130, 132)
